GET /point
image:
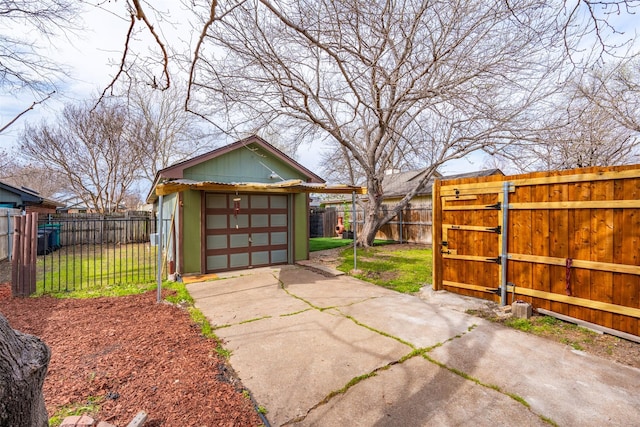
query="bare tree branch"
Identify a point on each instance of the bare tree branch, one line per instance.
(33, 105)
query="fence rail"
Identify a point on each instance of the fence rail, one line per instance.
(568, 242)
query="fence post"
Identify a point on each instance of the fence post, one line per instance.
(355, 232)
(159, 248)
(436, 238)
(505, 243)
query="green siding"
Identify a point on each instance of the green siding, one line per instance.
(191, 231)
(301, 227)
(243, 165)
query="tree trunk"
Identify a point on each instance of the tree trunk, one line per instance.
(23, 366)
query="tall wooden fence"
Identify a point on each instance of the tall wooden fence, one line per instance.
(413, 224)
(567, 242)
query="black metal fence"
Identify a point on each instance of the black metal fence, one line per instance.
(83, 251)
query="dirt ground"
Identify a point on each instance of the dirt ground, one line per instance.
(113, 357)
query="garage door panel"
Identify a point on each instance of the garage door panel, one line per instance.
(239, 240)
(279, 256)
(279, 238)
(259, 239)
(278, 220)
(217, 222)
(239, 260)
(259, 220)
(260, 258)
(278, 202)
(217, 241)
(216, 201)
(259, 202)
(217, 262)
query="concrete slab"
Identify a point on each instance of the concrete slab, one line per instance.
(243, 298)
(411, 319)
(291, 356)
(326, 292)
(569, 387)
(291, 363)
(420, 393)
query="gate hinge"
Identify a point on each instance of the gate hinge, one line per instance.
(497, 260)
(445, 243)
(495, 291)
(497, 206)
(445, 252)
(497, 229)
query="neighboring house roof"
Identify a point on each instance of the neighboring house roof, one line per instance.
(177, 171)
(26, 196)
(398, 185)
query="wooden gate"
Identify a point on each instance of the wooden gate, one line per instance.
(567, 242)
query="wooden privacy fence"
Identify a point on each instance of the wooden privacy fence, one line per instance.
(567, 242)
(413, 224)
(77, 229)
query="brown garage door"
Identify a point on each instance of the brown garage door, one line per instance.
(247, 230)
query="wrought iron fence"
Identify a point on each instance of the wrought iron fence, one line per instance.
(91, 251)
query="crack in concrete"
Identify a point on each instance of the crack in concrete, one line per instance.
(415, 352)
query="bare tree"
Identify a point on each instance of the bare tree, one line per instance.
(47, 183)
(93, 150)
(616, 90)
(25, 63)
(594, 122)
(164, 132)
(388, 82)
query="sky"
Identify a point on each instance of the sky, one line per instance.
(91, 57)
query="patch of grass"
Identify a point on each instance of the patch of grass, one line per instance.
(323, 243)
(520, 324)
(404, 270)
(90, 407)
(181, 295)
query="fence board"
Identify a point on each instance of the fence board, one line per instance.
(573, 241)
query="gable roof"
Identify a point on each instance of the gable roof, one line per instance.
(177, 171)
(28, 197)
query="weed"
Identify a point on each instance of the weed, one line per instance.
(90, 406)
(262, 410)
(521, 324)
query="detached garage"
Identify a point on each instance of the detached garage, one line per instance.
(241, 206)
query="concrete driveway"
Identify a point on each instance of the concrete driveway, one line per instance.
(336, 351)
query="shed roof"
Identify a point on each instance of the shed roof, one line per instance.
(290, 186)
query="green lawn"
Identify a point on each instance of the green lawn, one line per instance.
(322, 243)
(404, 270)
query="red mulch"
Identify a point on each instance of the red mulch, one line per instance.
(134, 355)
